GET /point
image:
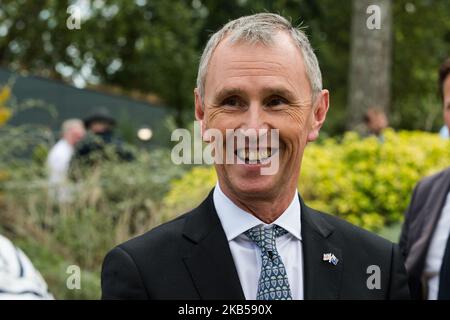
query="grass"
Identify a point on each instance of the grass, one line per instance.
(53, 268)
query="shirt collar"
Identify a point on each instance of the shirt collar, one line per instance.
(236, 221)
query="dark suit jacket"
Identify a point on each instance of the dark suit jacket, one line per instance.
(421, 219)
(189, 258)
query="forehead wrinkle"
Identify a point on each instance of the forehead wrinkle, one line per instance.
(269, 68)
(253, 61)
(280, 84)
(291, 72)
(254, 65)
(291, 80)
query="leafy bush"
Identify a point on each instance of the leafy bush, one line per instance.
(367, 182)
(115, 202)
(187, 192)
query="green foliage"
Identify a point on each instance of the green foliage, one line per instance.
(187, 192)
(367, 182)
(149, 46)
(361, 180)
(153, 46)
(114, 202)
(421, 43)
(5, 113)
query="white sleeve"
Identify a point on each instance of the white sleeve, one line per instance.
(18, 278)
(58, 165)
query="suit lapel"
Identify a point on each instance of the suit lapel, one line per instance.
(212, 268)
(210, 262)
(322, 279)
(430, 217)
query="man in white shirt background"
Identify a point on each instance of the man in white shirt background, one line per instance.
(58, 160)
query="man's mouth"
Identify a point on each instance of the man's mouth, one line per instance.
(259, 156)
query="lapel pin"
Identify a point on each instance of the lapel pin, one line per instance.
(331, 258)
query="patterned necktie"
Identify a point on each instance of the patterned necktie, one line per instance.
(273, 281)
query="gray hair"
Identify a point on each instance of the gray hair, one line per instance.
(261, 28)
(71, 123)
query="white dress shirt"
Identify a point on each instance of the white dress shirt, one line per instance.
(58, 162)
(247, 255)
(436, 250)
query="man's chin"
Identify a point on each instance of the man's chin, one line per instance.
(259, 186)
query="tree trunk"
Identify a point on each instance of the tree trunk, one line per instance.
(371, 56)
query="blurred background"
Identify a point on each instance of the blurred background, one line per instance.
(126, 69)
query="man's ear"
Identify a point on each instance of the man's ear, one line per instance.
(319, 114)
(199, 111)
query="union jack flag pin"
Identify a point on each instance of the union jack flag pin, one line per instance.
(331, 258)
(334, 260)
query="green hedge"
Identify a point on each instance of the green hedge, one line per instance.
(367, 182)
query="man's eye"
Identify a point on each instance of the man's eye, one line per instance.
(273, 102)
(232, 101)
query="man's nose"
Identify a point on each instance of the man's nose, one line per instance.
(255, 117)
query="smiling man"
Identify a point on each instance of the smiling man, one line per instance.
(253, 237)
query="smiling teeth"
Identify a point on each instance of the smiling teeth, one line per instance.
(253, 155)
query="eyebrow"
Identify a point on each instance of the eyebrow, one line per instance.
(269, 91)
(279, 91)
(228, 92)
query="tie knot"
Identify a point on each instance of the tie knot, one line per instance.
(264, 236)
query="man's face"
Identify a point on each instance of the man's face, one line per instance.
(446, 95)
(75, 134)
(378, 122)
(99, 127)
(253, 86)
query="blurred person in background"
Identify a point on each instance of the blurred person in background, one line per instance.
(100, 143)
(425, 240)
(374, 121)
(19, 280)
(59, 157)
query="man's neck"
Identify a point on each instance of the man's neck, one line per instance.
(69, 141)
(265, 208)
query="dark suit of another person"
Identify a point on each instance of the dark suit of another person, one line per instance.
(422, 240)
